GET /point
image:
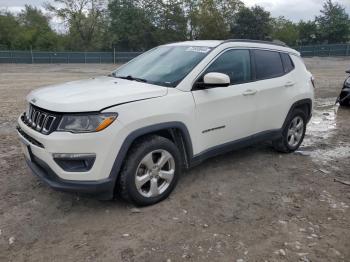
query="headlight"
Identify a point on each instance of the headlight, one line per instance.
(86, 123)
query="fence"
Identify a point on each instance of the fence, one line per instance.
(37, 57)
(324, 50)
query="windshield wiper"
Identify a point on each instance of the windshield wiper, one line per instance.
(129, 77)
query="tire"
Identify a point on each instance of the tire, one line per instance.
(285, 143)
(144, 170)
(346, 103)
(344, 99)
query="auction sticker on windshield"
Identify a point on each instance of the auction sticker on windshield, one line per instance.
(198, 49)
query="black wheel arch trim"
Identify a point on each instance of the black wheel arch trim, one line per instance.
(117, 165)
(302, 102)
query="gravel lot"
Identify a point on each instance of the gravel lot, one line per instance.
(249, 205)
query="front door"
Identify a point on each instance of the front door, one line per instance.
(225, 114)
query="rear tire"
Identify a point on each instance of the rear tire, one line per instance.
(344, 99)
(150, 172)
(293, 133)
(345, 104)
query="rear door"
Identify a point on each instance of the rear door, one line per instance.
(225, 114)
(274, 73)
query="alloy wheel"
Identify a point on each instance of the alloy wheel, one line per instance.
(295, 131)
(155, 173)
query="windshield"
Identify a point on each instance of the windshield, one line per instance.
(164, 65)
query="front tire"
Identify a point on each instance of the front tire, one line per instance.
(150, 172)
(293, 133)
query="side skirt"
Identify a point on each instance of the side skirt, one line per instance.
(234, 145)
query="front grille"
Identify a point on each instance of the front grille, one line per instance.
(40, 120)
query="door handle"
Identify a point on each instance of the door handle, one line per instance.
(250, 92)
(289, 84)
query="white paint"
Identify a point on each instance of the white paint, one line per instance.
(240, 115)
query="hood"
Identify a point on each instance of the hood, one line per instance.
(92, 94)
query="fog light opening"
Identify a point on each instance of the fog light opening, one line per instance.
(75, 162)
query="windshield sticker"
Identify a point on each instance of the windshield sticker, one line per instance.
(198, 49)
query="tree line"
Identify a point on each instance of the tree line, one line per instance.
(138, 25)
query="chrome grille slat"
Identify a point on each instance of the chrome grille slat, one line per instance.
(35, 116)
(40, 120)
(48, 125)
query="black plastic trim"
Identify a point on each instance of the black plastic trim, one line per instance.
(101, 189)
(74, 164)
(234, 145)
(144, 131)
(307, 102)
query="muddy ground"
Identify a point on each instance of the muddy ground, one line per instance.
(250, 205)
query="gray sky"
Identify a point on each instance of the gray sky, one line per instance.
(291, 9)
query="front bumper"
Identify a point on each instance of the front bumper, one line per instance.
(103, 189)
(99, 180)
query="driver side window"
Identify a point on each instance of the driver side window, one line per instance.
(235, 64)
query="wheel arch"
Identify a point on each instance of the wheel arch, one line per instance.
(305, 105)
(177, 132)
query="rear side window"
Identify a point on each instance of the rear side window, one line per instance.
(268, 64)
(235, 64)
(287, 63)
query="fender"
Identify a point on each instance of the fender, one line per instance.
(144, 131)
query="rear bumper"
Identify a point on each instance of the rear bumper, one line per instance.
(102, 189)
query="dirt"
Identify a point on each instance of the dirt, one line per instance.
(250, 205)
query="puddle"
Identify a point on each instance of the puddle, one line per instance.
(323, 122)
(321, 129)
(329, 154)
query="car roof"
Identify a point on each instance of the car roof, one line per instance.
(278, 46)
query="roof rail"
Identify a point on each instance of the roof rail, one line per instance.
(255, 41)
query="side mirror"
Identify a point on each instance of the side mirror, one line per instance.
(216, 80)
(347, 71)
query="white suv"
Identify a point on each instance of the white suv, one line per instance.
(134, 131)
